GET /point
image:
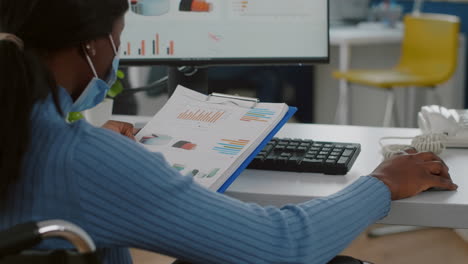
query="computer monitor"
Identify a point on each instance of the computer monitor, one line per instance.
(217, 32)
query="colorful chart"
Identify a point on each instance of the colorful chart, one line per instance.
(258, 115)
(202, 175)
(153, 46)
(231, 147)
(178, 167)
(186, 145)
(201, 115)
(156, 140)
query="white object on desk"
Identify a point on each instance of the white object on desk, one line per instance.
(344, 38)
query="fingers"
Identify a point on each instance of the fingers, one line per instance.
(127, 130)
(429, 156)
(443, 183)
(438, 168)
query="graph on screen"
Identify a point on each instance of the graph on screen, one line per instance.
(153, 46)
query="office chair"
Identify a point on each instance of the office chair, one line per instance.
(429, 58)
(17, 243)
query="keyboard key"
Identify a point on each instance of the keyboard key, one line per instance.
(347, 153)
(343, 160)
(302, 149)
(280, 148)
(291, 148)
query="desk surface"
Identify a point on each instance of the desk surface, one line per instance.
(440, 209)
(437, 209)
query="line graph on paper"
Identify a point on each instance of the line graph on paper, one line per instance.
(258, 115)
(231, 147)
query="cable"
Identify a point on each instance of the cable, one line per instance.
(422, 143)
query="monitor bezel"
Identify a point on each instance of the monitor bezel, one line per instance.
(235, 61)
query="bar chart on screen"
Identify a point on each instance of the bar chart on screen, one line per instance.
(153, 46)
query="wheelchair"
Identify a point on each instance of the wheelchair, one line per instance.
(16, 245)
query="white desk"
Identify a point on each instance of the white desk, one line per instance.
(435, 209)
(344, 38)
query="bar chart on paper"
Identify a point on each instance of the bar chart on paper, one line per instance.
(202, 115)
(153, 46)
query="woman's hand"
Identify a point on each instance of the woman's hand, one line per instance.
(411, 174)
(122, 128)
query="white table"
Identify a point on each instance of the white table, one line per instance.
(344, 38)
(435, 209)
(432, 209)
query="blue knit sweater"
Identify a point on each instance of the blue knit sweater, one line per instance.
(125, 196)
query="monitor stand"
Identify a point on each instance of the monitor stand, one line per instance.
(188, 76)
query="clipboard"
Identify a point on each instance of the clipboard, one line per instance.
(188, 109)
(243, 166)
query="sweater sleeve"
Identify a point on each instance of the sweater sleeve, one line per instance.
(132, 198)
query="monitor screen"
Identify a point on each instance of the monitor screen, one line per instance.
(215, 32)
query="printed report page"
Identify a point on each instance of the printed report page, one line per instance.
(208, 138)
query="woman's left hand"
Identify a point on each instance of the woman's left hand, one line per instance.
(122, 128)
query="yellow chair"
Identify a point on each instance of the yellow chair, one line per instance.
(429, 58)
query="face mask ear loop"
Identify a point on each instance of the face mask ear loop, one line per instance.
(90, 62)
(113, 45)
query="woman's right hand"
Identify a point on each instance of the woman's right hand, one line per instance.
(410, 174)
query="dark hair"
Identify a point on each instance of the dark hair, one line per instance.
(44, 26)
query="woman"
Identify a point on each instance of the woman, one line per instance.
(59, 56)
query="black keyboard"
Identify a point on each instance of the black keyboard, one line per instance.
(300, 155)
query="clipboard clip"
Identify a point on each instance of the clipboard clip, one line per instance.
(233, 99)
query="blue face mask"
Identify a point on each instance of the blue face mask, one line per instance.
(97, 88)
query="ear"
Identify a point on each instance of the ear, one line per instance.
(90, 48)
